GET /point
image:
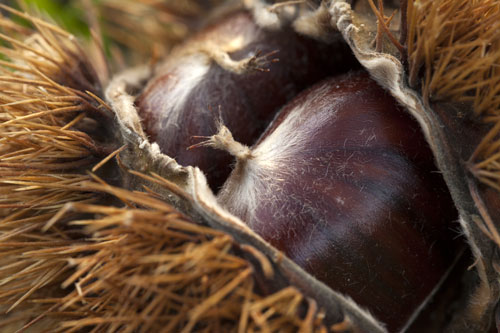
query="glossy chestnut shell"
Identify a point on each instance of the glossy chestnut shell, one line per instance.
(344, 183)
(189, 90)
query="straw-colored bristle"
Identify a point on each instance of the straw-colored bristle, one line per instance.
(42, 154)
(144, 269)
(41, 105)
(454, 55)
(149, 269)
(458, 45)
(149, 28)
(383, 24)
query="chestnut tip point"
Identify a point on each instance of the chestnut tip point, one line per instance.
(259, 60)
(204, 143)
(224, 140)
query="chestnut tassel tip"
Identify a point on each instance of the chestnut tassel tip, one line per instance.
(257, 62)
(224, 140)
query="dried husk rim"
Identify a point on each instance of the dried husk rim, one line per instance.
(190, 178)
(69, 264)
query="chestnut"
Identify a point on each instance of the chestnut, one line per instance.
(230, 68)
(344, 183)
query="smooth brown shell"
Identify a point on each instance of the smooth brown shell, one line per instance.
(344, 183)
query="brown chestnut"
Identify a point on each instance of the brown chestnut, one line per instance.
(344, 183)
(230, 68)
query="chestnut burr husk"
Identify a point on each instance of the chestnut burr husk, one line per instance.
(192, 89)
(344, 183)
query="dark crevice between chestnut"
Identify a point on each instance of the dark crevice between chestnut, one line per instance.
(449, 299)
(462, 134)
(466, 132)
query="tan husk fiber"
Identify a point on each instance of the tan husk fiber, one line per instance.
(67, 263)
(460, 61)
(41, 156)
(123, 22)
(149, 269)
(146, 29)
(146, 268)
